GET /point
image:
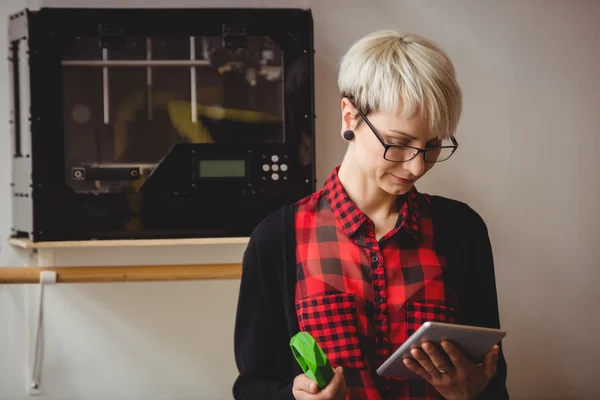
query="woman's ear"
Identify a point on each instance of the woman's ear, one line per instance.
(348, 114)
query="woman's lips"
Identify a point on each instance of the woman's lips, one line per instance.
(402, 180)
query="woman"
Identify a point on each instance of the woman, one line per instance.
(363, 262)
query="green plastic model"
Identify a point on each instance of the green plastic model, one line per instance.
(311, 358)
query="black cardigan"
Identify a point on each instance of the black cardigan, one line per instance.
(266, 317)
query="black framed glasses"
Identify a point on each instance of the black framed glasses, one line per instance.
(398, 153)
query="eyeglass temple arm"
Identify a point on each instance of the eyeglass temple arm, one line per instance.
(377, 135)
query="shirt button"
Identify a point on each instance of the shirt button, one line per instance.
(379, 299)
(374, 259)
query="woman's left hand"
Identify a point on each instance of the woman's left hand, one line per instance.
(452, 374)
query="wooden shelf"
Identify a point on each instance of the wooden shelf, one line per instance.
(105, 274)
(28, 244)
(123, 273)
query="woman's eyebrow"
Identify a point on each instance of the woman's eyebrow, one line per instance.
(403, 133)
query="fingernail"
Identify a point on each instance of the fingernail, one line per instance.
(311, 386)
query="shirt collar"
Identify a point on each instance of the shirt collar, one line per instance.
(351, 218)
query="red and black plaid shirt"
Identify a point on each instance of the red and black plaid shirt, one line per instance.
(361, 298)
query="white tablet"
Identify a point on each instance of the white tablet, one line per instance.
(474, 341)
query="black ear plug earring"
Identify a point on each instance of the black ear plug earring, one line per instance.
(348, 135)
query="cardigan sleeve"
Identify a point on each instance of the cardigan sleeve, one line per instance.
(256, 328)
(482, 297)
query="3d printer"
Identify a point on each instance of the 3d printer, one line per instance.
(158, 123)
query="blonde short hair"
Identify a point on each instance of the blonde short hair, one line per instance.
(387, 67)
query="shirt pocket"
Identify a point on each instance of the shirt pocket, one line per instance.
(419, 312)
(332, 320)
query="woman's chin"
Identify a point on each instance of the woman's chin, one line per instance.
(396, 188)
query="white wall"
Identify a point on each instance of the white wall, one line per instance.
(527, 163)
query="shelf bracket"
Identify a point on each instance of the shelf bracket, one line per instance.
(37, 343)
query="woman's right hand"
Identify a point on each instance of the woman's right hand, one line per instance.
(307, 389)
